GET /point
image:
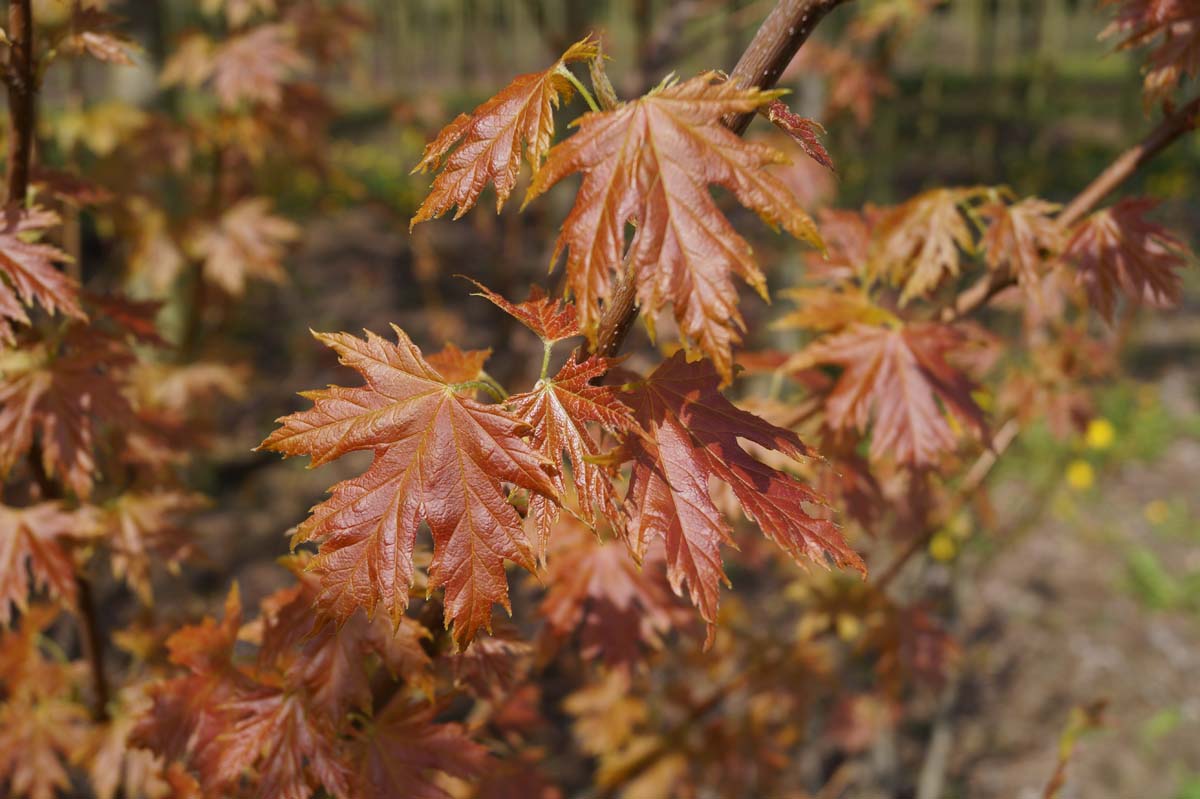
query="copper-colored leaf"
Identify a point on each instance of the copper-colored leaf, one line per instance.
(1022, 236)
(27, 271)
(91, 33)
(918, 244)
(252, 67)
(491, 139)
(140, 527)
(651, 162)
(1172, 29)
(35, 553)
(692, 437)
(558, 411)
(597, 590)
(63, 397)
(402, 750)
(292, 749)
(440, 457)
(459, 366)
(248, 241)
(38, 735)
(895, 378)
(1118, 250)
(552, 320)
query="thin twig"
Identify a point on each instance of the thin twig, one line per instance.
(1169, 130)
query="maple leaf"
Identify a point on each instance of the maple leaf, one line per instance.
(252, 67)
(328, 661)
(113, 764)
(804, 131)
(248, 241)
(692, 434)
(184, 715)
(551, 320)
(141, 525)
(292, 748)
(896, 376)
(37, 734)
(825, 310)
(91, 33)
(595, 588)
(917, 244)
(558, 411)
(440, 457)
(35, 553)
(1021, 236)
(27, 272)
(1172, 29)
(459, 366)
(62, 396)
(854, 82)
(490, 140)
(1118, 249)
(401, 750)
(40, 726)
(651, 162)
(847, 237)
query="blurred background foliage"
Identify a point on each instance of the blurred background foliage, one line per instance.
(1091, 586)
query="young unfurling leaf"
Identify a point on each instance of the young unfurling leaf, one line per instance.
(558, 411)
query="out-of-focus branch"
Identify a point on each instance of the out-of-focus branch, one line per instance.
(970, 484)
(1170, 129)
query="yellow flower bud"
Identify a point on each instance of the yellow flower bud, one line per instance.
(1100, 434)
(1080, 475)
(942, 548)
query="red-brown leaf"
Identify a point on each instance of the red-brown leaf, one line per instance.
(439, 457)
(692, 434)
(1022, 236)
(292, 749)
(27, 271)
(806, 132)
(597, 590)
(917, 244)
(402, 749)
(651, 162)
(35, 553)
(1118, 250)
(63, 397)
(895, 377)
(490, 140)
(248, 241)
(552, 320)
(558, 411)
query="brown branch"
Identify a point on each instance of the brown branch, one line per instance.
(780, 36)
(20, 79)
(1170, 129)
